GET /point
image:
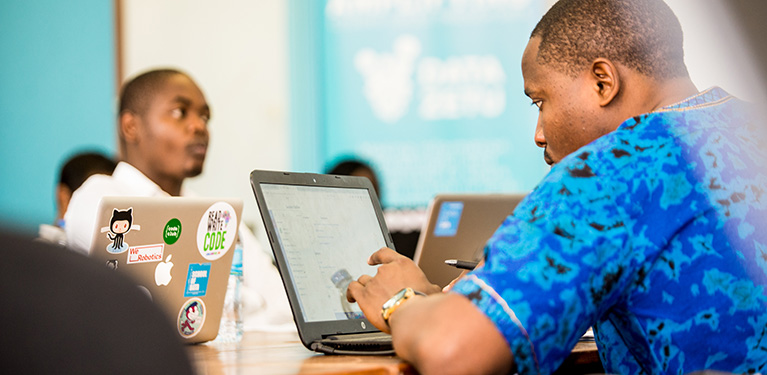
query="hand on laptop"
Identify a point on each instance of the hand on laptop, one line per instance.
(395, 273)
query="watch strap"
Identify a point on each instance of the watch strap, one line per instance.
(396, 301)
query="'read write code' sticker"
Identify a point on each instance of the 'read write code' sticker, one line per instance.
(216, 232)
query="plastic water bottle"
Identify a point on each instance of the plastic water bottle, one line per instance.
(230, 330)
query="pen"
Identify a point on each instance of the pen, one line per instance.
(462, 264)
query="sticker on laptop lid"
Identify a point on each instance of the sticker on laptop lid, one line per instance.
(162, 275)
(120, 224)
(191, 318)
(146, 253)
(172, 231)
(197, 280)
(448, 219)
(216, 232)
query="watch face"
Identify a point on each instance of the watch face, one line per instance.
(395, 299)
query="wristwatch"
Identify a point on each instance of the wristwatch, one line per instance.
(393, 303)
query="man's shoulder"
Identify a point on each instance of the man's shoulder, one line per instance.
(610, 170)
(98, 182)
(639, 144)
(92, 190)
(617, 155)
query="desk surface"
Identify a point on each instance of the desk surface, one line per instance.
(282, 353)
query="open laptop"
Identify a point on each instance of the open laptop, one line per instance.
(457, 227)
(323, 229)
(178, 250)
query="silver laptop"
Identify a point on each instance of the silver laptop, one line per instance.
(322, 230)
(178, 250)
(458, 226)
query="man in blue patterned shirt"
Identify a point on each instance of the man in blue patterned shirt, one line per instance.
(650, 226)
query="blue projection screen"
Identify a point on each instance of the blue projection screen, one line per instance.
(431, 94)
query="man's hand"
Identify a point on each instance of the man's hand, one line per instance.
(395, 272)
(449, 287)
(430, 332)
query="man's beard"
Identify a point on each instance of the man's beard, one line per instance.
(547, 158)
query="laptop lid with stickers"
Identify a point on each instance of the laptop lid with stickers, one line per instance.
(178, 250)
(322, 230)
(458, 226)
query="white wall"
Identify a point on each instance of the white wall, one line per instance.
(714, 49)
(237, 52)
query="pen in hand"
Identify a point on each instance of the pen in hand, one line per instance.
(461, 264)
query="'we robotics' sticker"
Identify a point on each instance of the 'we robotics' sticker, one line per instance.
(216, 232)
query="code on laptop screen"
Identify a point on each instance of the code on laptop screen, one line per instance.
(326, 235)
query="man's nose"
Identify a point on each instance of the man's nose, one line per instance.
(540, 140)
(198, 124)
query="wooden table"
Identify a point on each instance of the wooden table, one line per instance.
(271, 353)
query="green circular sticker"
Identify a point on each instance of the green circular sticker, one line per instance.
(172, 231)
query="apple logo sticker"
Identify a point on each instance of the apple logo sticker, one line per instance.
(162, 272)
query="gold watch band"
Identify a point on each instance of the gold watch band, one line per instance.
(396, 301)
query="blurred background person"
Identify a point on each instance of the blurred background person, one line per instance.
(75, 170)
(356, 167)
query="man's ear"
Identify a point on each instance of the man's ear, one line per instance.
(129, 127)
(606, 81)
(63, 195)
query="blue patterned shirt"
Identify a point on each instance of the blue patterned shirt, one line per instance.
(653, 234)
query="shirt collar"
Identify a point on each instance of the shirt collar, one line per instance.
(127, 175)
(710, 96)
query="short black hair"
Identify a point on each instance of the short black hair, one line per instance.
(79, 167)
(136, 93)
(643, 35)
(347, 167)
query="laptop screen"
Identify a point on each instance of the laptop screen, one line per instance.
(326, 235)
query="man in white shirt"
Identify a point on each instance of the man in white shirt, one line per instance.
(163, 134)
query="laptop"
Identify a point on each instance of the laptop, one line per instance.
(457, 227)
(322, 230)
(178, 250)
